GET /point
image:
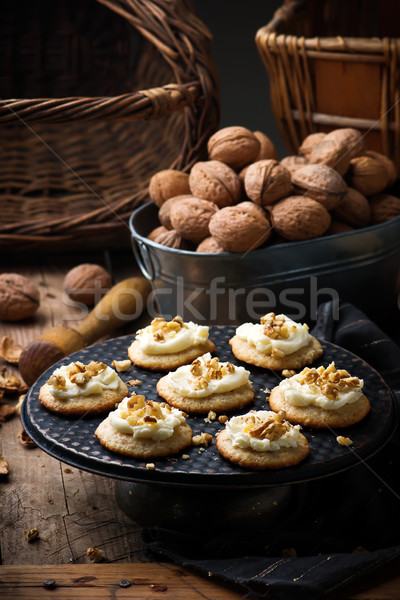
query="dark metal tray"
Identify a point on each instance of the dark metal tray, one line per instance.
(72, 440)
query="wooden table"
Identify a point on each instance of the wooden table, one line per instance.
(74, 510)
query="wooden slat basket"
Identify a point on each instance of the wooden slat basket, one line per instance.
(335, 63)
(96, 96)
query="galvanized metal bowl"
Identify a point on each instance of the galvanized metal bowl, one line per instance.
(359, 266)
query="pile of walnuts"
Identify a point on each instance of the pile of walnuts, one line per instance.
(242, 197)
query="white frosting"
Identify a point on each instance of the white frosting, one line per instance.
(253, 334)
(299, 394)
(105, 380)
(175, 341)
(183, 382)
(236, 430)
(162, 429)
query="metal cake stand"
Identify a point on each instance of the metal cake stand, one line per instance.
(183, 492)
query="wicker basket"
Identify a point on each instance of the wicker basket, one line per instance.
(326, 71)
(113, 90)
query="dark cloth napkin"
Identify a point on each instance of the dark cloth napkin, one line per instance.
(339, 528)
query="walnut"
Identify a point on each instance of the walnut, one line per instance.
(368, 175)
(239, 230)
(165, 209)
(10, 350)
(86, 283)
(171, 239)
(300, 218)
(25, 439)
(154, 233)
(10, 382)
(292, 163)
(121, 365)
(210, 245)
(383, 208)
(3, 466)
(266, 181)
(332, 153)
(321, 183)
(309, 142)
(190, 219)
(214, 181)
(267, 148)
(19, 297)
(166, 184)
(31, 534)
(235, 146)
(351, 138)
(95, 554)
(354, 209)
(388, 163)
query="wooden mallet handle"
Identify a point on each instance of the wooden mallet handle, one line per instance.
(121, 304)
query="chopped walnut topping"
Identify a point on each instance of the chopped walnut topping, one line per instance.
(196, 368)
(163, 329)
(31, 534)
(140, 411)
(95, 554)
(330, 381)
(133, 382)
(57, 381)
(344, 441)
(80, 379)
(203, 439)
(203, 371)
(275, 327)
(272, 427)
(121, 365)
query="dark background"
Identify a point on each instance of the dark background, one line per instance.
(244, 79)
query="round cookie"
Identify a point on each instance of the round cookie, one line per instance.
(251, 459)
(83, 405)
(249, 354)
(125, 443)
(222, 402)
(319, 418)
(167, 362)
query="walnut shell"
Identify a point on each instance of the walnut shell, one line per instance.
(239, 230)
(19, 297)
(320, 183)
(214, 181)
(165, 209)
(300, 218)
(338, 227)
(354, 209)
(235, 146)
(166, 184)
(368, 175)
(86, 283)
(332, 153)
(384, 207)
(389, 165)
(292, 163)
(351, 138)
(172, 239)
(267, 148)
(190, 219)
(266, 181)
(252, 207)
(155, 233)
(309, 142)
(210, 245)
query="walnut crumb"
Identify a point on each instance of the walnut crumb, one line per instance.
(150, 466)
(212, 415)
(95, 554)
(25, 439)
(121, 365)
(185, 456)
(267, 391)
(204, 439)
(31, 534)
(344, 441)
(288, 373)
(133, 382)
(223, 419)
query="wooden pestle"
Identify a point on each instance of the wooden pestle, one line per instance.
(115, 309)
